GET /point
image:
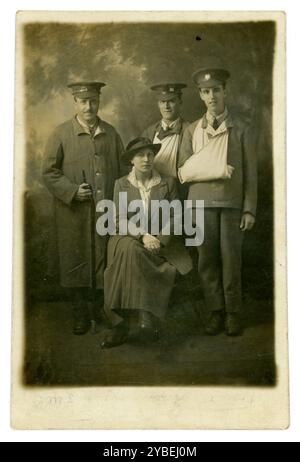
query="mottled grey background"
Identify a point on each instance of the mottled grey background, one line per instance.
(130, 58)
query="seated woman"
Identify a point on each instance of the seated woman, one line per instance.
(141, 268)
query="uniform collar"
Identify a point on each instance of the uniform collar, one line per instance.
(176, 122)
(81, 128)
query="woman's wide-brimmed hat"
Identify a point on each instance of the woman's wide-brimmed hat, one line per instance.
(137, 145)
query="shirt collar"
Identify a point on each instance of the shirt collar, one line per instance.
(224, 117)
(220, 118)
(170, 125)
(154, 181)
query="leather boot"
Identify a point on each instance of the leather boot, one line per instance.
(215, 323)
(148, 330)
(233, 324)
(81, 321)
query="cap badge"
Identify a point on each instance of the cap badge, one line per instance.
(207, 76)
(171, 89)
(83, 89)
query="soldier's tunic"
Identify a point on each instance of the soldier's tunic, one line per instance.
(225, 200)
(70, 151)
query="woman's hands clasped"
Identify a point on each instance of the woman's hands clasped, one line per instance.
(151, 243)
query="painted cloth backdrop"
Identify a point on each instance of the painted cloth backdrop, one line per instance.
(130, 58)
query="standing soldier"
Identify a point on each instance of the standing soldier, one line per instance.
(81, 164)
(169, 130)
(229, 200)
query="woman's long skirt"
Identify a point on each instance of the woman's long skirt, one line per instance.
(136, 279)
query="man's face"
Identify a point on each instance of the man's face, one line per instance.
(214, 99)
(87, 108)
(170, 110)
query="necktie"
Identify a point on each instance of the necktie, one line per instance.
(168, 132)
(215, 124)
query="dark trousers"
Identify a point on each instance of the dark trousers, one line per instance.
(220, 260)
(87, 302)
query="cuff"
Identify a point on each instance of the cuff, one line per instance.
(69, 197)
(251, 213)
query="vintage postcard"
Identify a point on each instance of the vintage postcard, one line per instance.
(150, 221)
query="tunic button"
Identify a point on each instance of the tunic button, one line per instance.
(98, 191)
(97, 173)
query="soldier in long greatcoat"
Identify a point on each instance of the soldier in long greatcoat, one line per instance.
(80, 166)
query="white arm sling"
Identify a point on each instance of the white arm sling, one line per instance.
(209, 161)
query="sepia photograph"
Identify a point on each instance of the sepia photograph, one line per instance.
(149, 184)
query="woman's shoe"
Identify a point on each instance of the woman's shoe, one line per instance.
(117, 336)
